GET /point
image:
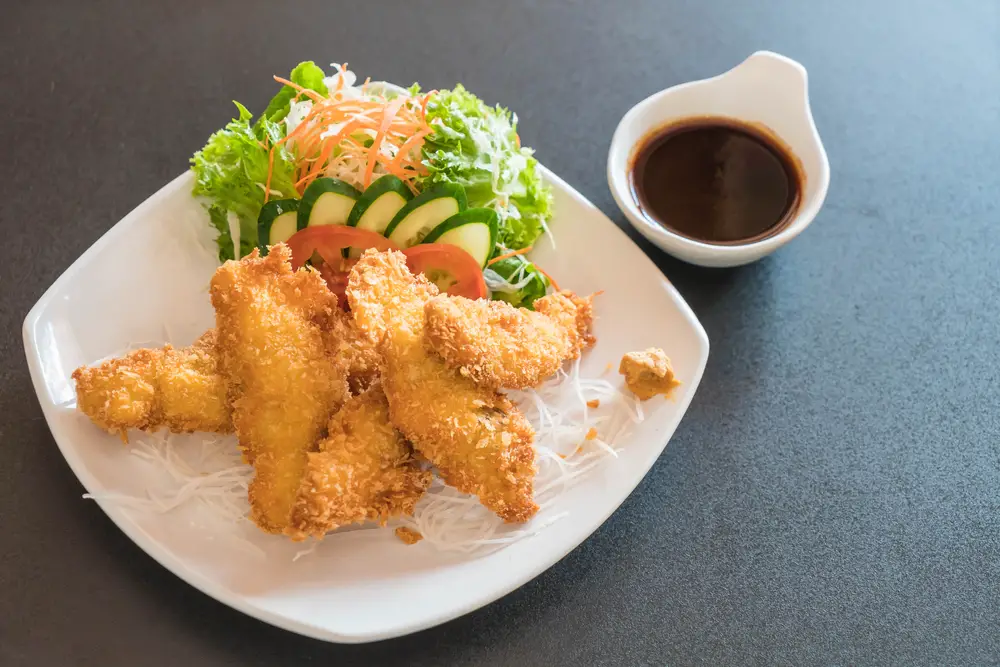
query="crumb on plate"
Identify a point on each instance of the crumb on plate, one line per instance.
(408, 535)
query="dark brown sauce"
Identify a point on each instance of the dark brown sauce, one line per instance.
(716, 180)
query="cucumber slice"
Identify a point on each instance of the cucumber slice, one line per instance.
(327, 201)
(424, 212)
(379, 204)
(276, 223)
(473, 230)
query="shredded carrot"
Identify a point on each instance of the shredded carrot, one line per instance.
(508, 255)
(594, 403)
(591, 434)
(332, 137)
(423, 106)
(388, 114)
(416, 139)
(270, 172)
(552, 280)
(312, 94)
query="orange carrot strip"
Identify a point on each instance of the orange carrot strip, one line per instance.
(413, 142)
(312, 94)
(270, 172)
(508, 255)
(390, 112)
(552, 280)
(423, 105)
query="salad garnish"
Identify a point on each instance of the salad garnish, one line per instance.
(416, 167)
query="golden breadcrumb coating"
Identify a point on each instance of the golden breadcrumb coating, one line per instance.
(355, 352)
(574, 313)
(479, 441)
(282, 383)
(149, 389)
(501, 346)
(364, 471)
(408, 535)
(648, 373)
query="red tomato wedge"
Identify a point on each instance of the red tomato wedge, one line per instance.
(449, 267)
(329, 242)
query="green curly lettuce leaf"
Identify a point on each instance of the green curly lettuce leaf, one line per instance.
(231, 170)
(477, 147)
(306, 74)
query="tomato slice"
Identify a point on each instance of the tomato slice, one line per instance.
(449, 267)
(329, 242)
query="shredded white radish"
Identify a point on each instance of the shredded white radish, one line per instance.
(571, 439)
(209, 471)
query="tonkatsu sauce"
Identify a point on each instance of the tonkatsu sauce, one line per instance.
(716, 180)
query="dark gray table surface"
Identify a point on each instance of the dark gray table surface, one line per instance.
(833, 494)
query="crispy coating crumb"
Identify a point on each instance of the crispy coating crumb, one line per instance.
(364, 471)
(500, 346)
(282, 383)
(648, 373)
(479, 441)
(574, 313)
(148, 389)
(408, 535)
(354, 351)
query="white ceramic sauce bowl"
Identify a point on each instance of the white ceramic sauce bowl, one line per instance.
(766, 89)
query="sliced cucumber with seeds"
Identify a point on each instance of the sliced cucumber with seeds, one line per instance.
(425, 212)
(473, 230)
(379, 204)
(327, 201)
(277, 221)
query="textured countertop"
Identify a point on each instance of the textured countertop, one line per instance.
(833, 494)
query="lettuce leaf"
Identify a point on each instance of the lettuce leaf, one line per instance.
(231, 170)
(306, 74)
(517, 281)
(477, 147)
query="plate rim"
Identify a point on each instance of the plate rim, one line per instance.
(241, 603)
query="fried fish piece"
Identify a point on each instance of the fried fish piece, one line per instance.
(355, 352)
(364, 471)
(479, 441)
(152, 388)
(648, 373)
(281, 381)
(501, 346)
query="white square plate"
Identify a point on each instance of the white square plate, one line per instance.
(146, 280)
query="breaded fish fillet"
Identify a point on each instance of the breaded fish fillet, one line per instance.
(149, 389)
(354, 351)
(479, 441)
(282, 383)
(501, 346)
(364, 471)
